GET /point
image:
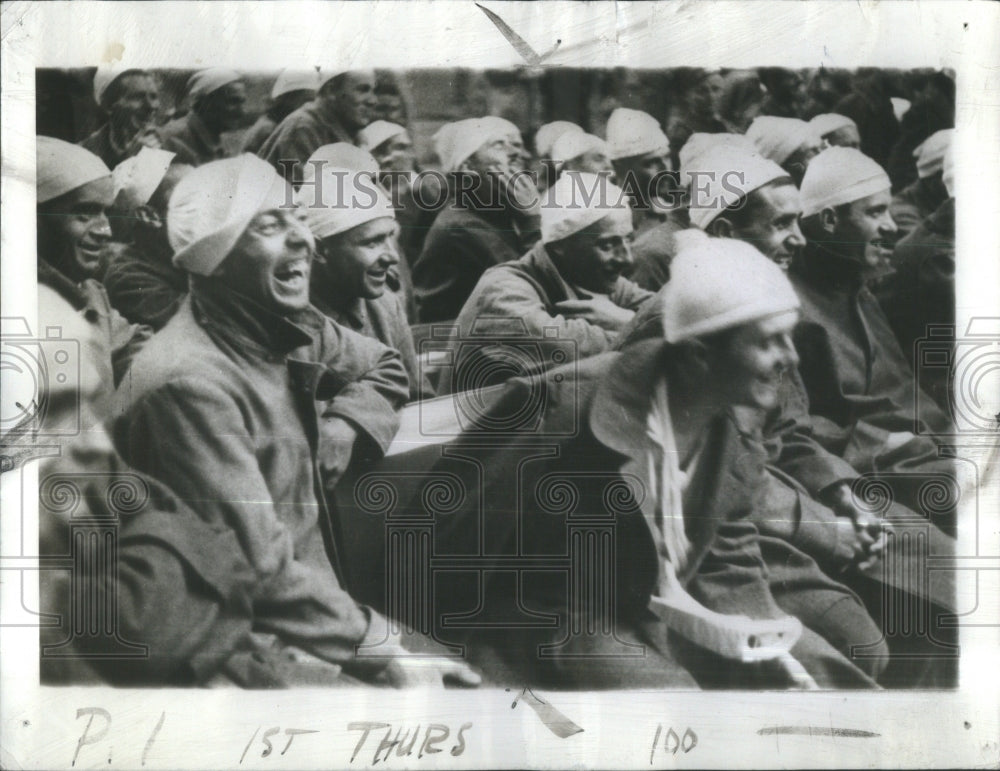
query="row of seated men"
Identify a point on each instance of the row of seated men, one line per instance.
(739, 404)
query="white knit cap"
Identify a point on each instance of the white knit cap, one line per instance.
(346, 198)
(573, 144)
(205, 82)
(339, 155)
(930, 152)
(212, 206)
(720, 283)
(546, 136)
(295, 80)
(374, 134)
(505, 126)
(634, 132)
(840, 175)
(139, 176)
(777, 138)
(727, 173)
(948, 170)
(63, 167)
(579, 199)
(105, 76)
(829, 122)
(455, 142)
(698, 143)
(328, 74)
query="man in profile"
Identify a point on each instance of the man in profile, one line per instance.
(789, 142)
(640, 154)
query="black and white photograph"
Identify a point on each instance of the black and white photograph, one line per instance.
(449, 384)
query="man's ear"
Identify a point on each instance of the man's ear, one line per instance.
(148, 216)
(828, 219)
(721, 227)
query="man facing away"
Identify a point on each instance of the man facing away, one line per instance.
(251, 405)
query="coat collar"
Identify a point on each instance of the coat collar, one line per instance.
(826, 270)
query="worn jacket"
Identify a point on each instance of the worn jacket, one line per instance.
(382, 319)
(257, 134)
(298, 136)
(859, 382)
(145, 288)
(517, 301)
(227, 406)
(460, 246)
(191, 140)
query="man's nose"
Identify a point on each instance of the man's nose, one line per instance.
(624, 255)
(795, 238)
(390, 252)
(887, 227)
(790, 357)
(101, 227)
(299, 235)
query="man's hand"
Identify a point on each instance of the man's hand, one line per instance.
(521, 194)
(414, 671)
(336, 446)
(145, 137)
(850, 550)
(598, 310)
(871, 531)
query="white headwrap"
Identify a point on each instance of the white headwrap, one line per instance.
(930, 152)
(374, 134)
(840, 175)
(699, 143)
(505, 126)
(634, 132)
(63, 167)
(212, 206)
(326, 75)
(295, 80)
(139, 176)
(720, 283)
(829, 122)
(726, 174)
(205, 82)
(455, 142)
(547, 135)
(573, 144)
(346, 198)
(579, 199)
(105, 76)
(777, 138)
(948, 170)
(339, 155)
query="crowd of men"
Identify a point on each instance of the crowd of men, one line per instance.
(722, 310)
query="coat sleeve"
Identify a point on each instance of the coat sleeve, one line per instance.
(629, 295)
(141, 297)
(371, 385)
(193, 436)
(290, 143)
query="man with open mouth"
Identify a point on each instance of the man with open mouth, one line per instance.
(251, 405)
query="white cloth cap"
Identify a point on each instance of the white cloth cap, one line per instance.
(573, 144)
(212, 206)
(205, 82)
(720, 283)
(139, 176)
(840, 175)
(340, 155)
(948, 170)
(777, 138)
(345, 199)
(455, 142)
(63, 167)
(105, 76)
(374, 134)
(699, 143)
(505, 126)
(634, 132)
(295, 80)
(326, 75)
(829, 122)
(727, 174)
(930, 152)
(546, 136)
(579, 199)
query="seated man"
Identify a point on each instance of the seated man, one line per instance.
(567, 297)
(217, 99)
(250, 404)
(487, 222)
(640, 154)
(141, 280)
(74, 194)
(865, 404)
(836, 130)
(639, 446)
(292, 89)
(356, 248)
(919, 200)
(130, 99)
(789, 142)
(576, 151)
